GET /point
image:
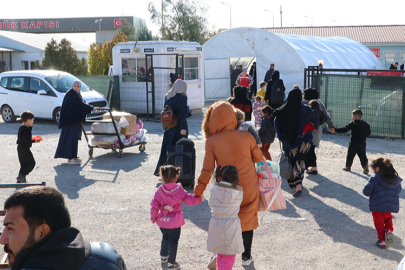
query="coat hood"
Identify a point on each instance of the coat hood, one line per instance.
(63, 249)
(171, 192)
(386, 185)
(310, 94)
(226, 193)
(276, 75)
(220, 116)
(240, 92)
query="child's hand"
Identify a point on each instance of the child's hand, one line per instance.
(37, 140)
(332, 130)
(153, 221)
(202, 198)
(260, 145)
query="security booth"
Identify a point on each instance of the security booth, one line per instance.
(144, 68)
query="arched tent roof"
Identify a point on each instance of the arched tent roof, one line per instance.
(290, 54)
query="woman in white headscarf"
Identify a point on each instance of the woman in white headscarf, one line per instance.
(72, 115)
(176, 98)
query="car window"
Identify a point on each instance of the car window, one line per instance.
(3, 82)
(17, 83)
(62, 83)
(36, 85)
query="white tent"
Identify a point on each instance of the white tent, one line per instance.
(290, 54)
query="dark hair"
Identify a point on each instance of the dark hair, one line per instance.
(173, 77)
(267, 109)
(396, 63)
(272, 64)
(41, 205)
(262, 83)
(387, 171)
(357, 112)
(26, 115)
(314, 104)
(169, 173)
(258, 97)
(228, 174)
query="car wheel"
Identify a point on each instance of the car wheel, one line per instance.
(56, 115)
(8, 114)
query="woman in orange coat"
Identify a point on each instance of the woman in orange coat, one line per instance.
(227, 146)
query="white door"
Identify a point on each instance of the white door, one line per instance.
(18, 94)
(217, 79)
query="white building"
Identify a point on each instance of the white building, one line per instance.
(19, 51)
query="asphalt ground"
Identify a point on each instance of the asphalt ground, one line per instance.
(328, 227)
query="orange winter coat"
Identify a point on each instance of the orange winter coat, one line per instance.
(227, 146)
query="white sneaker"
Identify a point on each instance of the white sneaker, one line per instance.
(173, 266)
(163, 259)
(74, 161)
(247, 262)
(212, 265)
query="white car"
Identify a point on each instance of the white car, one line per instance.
(42, 93)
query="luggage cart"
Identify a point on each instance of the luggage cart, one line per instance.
(121, 147)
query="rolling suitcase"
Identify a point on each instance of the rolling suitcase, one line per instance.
(183, 156)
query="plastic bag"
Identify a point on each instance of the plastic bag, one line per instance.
(273, 166)
(105, 140)
(37, 137)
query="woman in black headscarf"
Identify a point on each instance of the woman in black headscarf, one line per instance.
(289, 123)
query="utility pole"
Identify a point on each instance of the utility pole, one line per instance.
(281, 16)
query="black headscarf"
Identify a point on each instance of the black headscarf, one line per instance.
(289, 114)
(310, 94)
(275, 76)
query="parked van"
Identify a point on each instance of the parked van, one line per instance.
(42, 93)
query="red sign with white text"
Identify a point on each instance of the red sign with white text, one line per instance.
(117, 23)
(376, 51)
(384, 73)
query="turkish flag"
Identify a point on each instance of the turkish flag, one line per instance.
(117, 23)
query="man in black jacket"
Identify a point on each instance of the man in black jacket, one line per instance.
(394, 66)
(253, 74)
(269, 73)
(37, 235)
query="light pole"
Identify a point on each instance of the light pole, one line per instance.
(230, 14)
(273, 15)
(99, 24)
(312, 20)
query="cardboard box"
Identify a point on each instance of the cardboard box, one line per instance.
(128, 130)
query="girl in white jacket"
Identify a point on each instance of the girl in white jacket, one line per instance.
(225, 231)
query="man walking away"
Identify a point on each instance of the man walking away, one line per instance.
(253, 87)
(275, 91)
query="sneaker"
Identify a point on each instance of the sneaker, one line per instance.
(21, 179)
(163, 259)
(348, 169)
(74, 161)
(390, 238)
(212, 265)
(365, 170)
(247, 261)
(381, 244)
(173, 266)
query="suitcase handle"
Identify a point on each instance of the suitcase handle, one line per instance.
(187, 154)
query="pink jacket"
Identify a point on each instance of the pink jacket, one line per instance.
(167, 203)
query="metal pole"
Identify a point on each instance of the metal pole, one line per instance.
(281, 17)
(230, 16)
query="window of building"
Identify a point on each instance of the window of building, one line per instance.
(190, 68)
(32, 65)
(389, 58)
(134, 69)
(24, 65)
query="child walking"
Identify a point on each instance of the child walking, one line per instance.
(24, 141)
(246, 126)
(225, 231)
(262, 91)
(383, 189)
(166, 212)
(257, 110)
(267, 132)
(360, 130)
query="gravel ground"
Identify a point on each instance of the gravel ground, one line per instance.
(328, 227)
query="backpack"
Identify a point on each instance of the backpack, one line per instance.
(277, 93)
(168, 118)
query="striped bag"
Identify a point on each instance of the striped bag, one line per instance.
(270, 197)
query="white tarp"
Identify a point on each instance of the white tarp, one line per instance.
(217, 78)
(290, 54)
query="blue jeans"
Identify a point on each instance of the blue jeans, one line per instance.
(170, 241)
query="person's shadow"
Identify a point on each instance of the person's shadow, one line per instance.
(70, 179)
(330, 189)
(341, 228)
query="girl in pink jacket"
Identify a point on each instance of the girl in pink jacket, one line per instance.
(166, 212)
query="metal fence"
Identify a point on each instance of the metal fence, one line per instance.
(109, 86)
(381, 99)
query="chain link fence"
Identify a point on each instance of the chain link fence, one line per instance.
(381, 99)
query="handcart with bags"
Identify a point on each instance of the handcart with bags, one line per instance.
(115, 132)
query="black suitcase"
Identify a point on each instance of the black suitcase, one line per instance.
(183, 156)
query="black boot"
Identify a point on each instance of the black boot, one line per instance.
(21, 178)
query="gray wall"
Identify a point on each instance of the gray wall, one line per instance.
(397, 50)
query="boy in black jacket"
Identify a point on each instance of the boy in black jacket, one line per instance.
(24, 141)
(360, 131)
